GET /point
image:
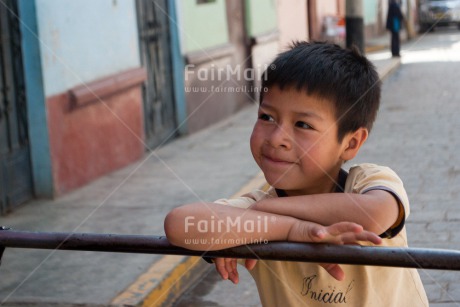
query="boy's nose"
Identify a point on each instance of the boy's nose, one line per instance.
(280, 137)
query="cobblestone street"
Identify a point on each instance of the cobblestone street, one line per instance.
(417, 135)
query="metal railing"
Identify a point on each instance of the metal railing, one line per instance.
(419, 258)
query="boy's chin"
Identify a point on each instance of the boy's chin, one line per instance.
(280, 186)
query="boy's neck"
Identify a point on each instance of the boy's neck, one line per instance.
(338, 185)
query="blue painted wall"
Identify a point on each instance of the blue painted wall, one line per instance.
(67, 43)
(35, 97)
(84, 40)
(178, 65)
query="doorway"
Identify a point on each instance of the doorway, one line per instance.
(15, 170)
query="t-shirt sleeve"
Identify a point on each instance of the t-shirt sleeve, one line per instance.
(366, 177)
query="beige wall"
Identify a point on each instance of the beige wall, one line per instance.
(292, 21)
(321, 8)
(326, 7)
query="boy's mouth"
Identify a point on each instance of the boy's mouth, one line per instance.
(276, 160)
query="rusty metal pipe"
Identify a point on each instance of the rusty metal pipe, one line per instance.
(285, 251)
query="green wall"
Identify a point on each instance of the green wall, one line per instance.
(370, 11)
(204, 25)
(260, 16)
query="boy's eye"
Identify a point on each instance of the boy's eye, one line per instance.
(265, 117)
(302, 125)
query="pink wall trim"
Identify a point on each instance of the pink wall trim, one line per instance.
(90, 141)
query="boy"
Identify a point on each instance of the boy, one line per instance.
(317, 107)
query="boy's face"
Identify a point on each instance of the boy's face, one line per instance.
(295, 144)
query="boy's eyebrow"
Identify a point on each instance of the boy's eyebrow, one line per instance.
(264, 106)
(308, 114)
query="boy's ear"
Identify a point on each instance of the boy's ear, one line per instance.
(352, 143)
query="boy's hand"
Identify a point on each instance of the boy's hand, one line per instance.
(338, 233)
(227, 268)
(303, 231)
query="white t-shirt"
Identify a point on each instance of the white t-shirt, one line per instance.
(282, 283)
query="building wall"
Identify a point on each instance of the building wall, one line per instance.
(318, 10)
(261, 16)
(374, 14)
(292, 21)
(86, 43)
(327, 7)
(263, 33)
(94, 115)
(203, 25)
(85, 40)
(215, 46)
(93, 140)
(370, 11)
(42, 176)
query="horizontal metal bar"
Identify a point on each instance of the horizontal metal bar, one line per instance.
(285, 251)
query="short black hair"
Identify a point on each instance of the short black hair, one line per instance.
(342, 76)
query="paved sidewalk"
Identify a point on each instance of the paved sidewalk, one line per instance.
(205, 166)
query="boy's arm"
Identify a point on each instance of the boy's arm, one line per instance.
(375, 210)
(217, 226)
(212, 226)
(374, 198)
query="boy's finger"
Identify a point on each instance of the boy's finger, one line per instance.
(220, 267)
(344, 227)
(250, 263)
(235, 266)
(350, 238)
(235, 271)
(334, 270)
(230, 266)
(370, 237)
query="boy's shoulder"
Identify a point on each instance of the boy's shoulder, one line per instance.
(365, 175)
(370, 167)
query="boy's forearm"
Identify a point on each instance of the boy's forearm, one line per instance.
(376, 210)
(211, 226)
